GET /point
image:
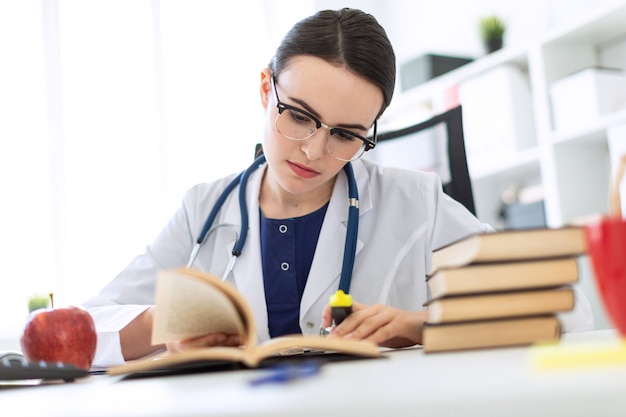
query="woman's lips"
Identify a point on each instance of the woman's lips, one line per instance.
(302, 170)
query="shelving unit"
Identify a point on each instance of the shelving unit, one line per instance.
(571, 165)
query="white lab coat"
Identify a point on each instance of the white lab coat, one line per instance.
(403, 217)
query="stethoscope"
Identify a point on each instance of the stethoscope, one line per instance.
(242, 180)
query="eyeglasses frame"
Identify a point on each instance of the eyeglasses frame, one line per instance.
(369, 143)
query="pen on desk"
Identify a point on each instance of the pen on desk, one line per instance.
(288, 372)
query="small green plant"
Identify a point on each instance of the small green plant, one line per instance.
(492, 30)
(492, 27)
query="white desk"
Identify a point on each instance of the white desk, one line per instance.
(499, 382)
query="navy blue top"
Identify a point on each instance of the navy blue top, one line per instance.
(287, 249)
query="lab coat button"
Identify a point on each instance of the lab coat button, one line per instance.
(310, 324)
(282, 228)
(284, 266)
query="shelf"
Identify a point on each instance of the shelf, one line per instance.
(601, 26)
(592, 132)
(515, 165)
(422, 95)
(572, 165)
(596, 28)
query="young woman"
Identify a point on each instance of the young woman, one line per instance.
(328, 83)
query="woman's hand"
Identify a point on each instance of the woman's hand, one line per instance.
(135, 338)
(207, 340)
(386, 326)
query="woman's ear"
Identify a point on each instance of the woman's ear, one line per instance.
(265, 87)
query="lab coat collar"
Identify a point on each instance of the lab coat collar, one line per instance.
(327, 263)
(248, 272)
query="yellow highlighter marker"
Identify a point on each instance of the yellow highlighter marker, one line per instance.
(341, 306)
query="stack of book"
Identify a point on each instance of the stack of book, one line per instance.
(502, 289)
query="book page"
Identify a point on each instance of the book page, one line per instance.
(289, 345)
(187, 306)
(168, 360)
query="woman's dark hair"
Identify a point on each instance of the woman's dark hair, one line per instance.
(347, 37)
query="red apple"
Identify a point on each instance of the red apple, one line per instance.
(66, 335)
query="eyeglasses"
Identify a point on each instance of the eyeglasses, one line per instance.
(297, 124)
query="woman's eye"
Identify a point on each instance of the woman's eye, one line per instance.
(299, 117)
(344, 136)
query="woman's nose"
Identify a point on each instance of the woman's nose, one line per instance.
(315, 146)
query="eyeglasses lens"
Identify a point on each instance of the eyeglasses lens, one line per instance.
(342, 144)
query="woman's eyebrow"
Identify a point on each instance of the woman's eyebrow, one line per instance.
(316, 114)
(306, 107)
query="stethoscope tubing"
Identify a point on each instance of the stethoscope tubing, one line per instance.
(242, 180)
(352, 232)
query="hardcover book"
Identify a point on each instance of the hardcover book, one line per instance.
(511, 245)
(504, 276)
(500, 305)
(491, 333)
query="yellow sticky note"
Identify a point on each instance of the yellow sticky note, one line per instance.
(579, 355)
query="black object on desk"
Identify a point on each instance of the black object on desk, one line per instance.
(14, 367)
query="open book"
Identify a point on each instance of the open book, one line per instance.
(190, 303)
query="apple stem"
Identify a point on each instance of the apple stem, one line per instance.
(51, 300)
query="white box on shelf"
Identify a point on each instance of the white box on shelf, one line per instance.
(498, 120)
(580, 99)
